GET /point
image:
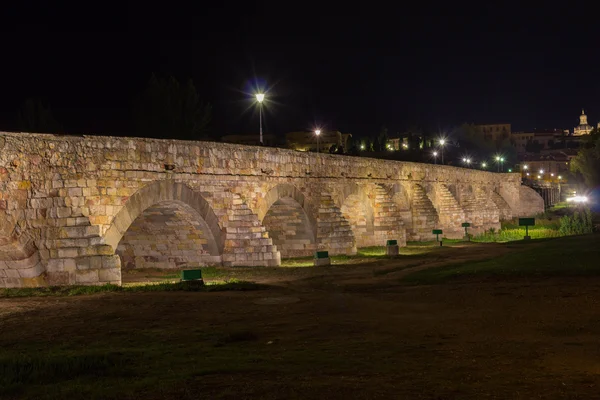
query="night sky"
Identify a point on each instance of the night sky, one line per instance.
(403, 67)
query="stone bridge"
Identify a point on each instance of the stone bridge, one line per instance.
(77, 209)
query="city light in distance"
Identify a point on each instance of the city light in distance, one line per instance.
(484, 165)
(525, 167)
(260, 97)
(435, 153)
(362, 146)
(578, 199)
(317, 132)
(539, 176)
(541, 171)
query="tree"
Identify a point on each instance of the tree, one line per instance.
(383, 138)
(587, 161)
(35, 117)
(168, 109)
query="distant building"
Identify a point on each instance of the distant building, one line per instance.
(520, 140)
(494, 132)
(553, 165)
(250, 140)
(583, 128)
(307, 141)
(538, 138)
(396, 143)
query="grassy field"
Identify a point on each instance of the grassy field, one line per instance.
(569, 256)
(520, 322)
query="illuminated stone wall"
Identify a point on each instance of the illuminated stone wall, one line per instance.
(71, 206)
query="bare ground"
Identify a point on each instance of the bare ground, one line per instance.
(339, 333)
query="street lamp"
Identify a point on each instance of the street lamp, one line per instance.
(499, 161)
(362, 146)
(318, 133)
(442, 142)
(483, 165)
(260, 97)
(434, 157)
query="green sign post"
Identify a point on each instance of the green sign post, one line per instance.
(192, 276)
(437, 233)
(527, 222)
(466, 225)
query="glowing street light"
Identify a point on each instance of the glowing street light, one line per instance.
(318, 133)
(499, 161)
(362, 146)
(260, 97)
(483, 165)
(541, 171)
(525, 167)
(510, 170)
(434, 154)
(442, 142)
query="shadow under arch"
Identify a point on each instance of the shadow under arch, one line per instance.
(357, 209)
(284, 214)
(161, 192)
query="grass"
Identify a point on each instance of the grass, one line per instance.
(546, 226)
(567, 256)
(189, 286)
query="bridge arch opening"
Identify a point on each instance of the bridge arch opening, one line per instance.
(166, 225)
(289, 225)
(357, 210)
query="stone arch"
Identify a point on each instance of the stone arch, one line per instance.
(284, 215)
(357, 209)
(164, 200)
(401, 196)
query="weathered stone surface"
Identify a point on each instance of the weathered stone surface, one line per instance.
(76, 209)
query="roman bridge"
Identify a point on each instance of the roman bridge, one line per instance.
(77, 209)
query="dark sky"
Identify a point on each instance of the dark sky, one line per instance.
(352, 69)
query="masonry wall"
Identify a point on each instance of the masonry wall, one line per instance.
(67, 202)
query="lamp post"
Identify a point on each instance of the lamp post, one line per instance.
(260, 97)
(435, 157)
(502, 164)
(442, 143)
(498, 158)
(318, 133)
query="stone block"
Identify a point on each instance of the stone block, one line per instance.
(320, 262)
(392, 250)
(108, 275)
(87, 276)
(111, 262)
(32, 272)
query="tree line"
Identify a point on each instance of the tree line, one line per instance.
(165, 105)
